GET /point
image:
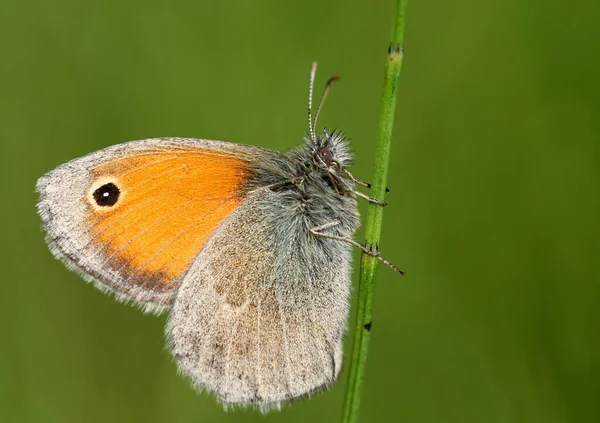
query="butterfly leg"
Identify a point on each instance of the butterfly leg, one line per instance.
(370, 199)
(374, 252)
(359, 182)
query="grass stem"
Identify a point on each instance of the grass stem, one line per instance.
(368, 264)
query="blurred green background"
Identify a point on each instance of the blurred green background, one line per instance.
(494, 210)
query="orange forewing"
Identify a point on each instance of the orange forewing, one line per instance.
(171, 201)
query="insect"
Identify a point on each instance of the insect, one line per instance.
(248, 249)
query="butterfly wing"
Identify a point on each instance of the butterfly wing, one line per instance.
(260, 316)
(169, 195)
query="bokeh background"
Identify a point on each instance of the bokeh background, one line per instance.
(494, 210)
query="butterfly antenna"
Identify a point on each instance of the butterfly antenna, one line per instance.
(313, 71)
(323, 96)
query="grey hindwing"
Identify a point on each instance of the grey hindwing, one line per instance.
(260, 315)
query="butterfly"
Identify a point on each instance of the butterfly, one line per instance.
(247, 249)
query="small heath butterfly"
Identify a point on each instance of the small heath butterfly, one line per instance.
(248, 249)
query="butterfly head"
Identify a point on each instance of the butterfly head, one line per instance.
(330, 151)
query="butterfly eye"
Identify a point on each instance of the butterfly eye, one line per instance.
(325, 155)
(107, 195)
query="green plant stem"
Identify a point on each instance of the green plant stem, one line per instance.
(368, 264)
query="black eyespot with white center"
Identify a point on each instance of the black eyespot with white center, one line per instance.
(107, 195)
